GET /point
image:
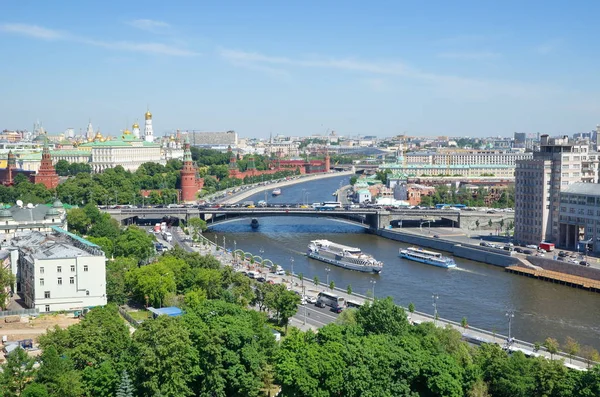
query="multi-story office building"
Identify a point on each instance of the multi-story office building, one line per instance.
(559, 163)
(579, 222)
(58, 271)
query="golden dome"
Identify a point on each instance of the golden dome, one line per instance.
(98, 136)
(148, 115)
(90, 140)
(172, 138)
(126, 132)
(135, 125)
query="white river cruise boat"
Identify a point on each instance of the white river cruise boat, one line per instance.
(428, 257)
(343, 256)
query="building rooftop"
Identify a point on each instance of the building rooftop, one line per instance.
(590, 189)
(59, 244)
(34, 214)
(47, 246)
(171, 311)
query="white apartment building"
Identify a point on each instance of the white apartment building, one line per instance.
(59, 271)
(559, 163)
(579, 222)
(469, 171)
(282, 148)
(468, 157)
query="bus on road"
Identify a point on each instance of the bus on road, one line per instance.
(353, 304)
(331, 300)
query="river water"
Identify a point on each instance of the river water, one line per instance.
(482, 293)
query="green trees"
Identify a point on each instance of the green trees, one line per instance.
(7, 282)
(126, 388)
(16, 372)
(151, 283)
(167, 361)
(382, 317)
(552, 346)
(197, 226)
(283, 302)
(571, 347)
(134, 242)
(116, 270)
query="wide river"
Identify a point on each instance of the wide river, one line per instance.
(482, 293)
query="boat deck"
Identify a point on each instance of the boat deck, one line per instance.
(557, 277)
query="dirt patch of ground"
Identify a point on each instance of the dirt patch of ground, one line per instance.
(32, 327)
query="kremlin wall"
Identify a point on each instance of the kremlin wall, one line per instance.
(129, 150)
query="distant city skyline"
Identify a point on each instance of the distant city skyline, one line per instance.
(291, 68)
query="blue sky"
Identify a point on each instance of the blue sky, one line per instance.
(299, 68)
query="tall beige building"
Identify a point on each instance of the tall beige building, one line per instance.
(538, 182)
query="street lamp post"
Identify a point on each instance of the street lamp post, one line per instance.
(216, 242)
(435, 297)
(234, 251)
(304, 314)
(292, 278)
(327, 270)
(224, 251)
(373, 282)
(510, 315)
(261, 251)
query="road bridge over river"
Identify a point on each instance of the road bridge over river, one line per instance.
(369, 217)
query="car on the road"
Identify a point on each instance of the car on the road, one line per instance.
(311, 299)
(584, 263)
(303, 301)
(533, 247)
(261, 279)
(319, 304)
(519, 250)
(337, 309)
(562, 254)
(436, 236)
(527, 252)
(280, 272)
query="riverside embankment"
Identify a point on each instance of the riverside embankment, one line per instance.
(472, 252)
(234, 198)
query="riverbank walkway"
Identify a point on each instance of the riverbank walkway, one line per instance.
(317, 318)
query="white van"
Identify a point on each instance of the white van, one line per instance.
(252, 274)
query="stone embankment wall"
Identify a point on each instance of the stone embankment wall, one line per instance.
(564, 267)
(472, 252)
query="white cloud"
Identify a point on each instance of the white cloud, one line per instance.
(32, 31)
(473, 56)
(142, 47)
(148, 48)
(149, 25)
(394, 68)
(447, 85)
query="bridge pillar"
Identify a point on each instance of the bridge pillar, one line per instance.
(379, 220)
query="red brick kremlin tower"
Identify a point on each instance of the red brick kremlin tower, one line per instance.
(189, 186)
(46, 175)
